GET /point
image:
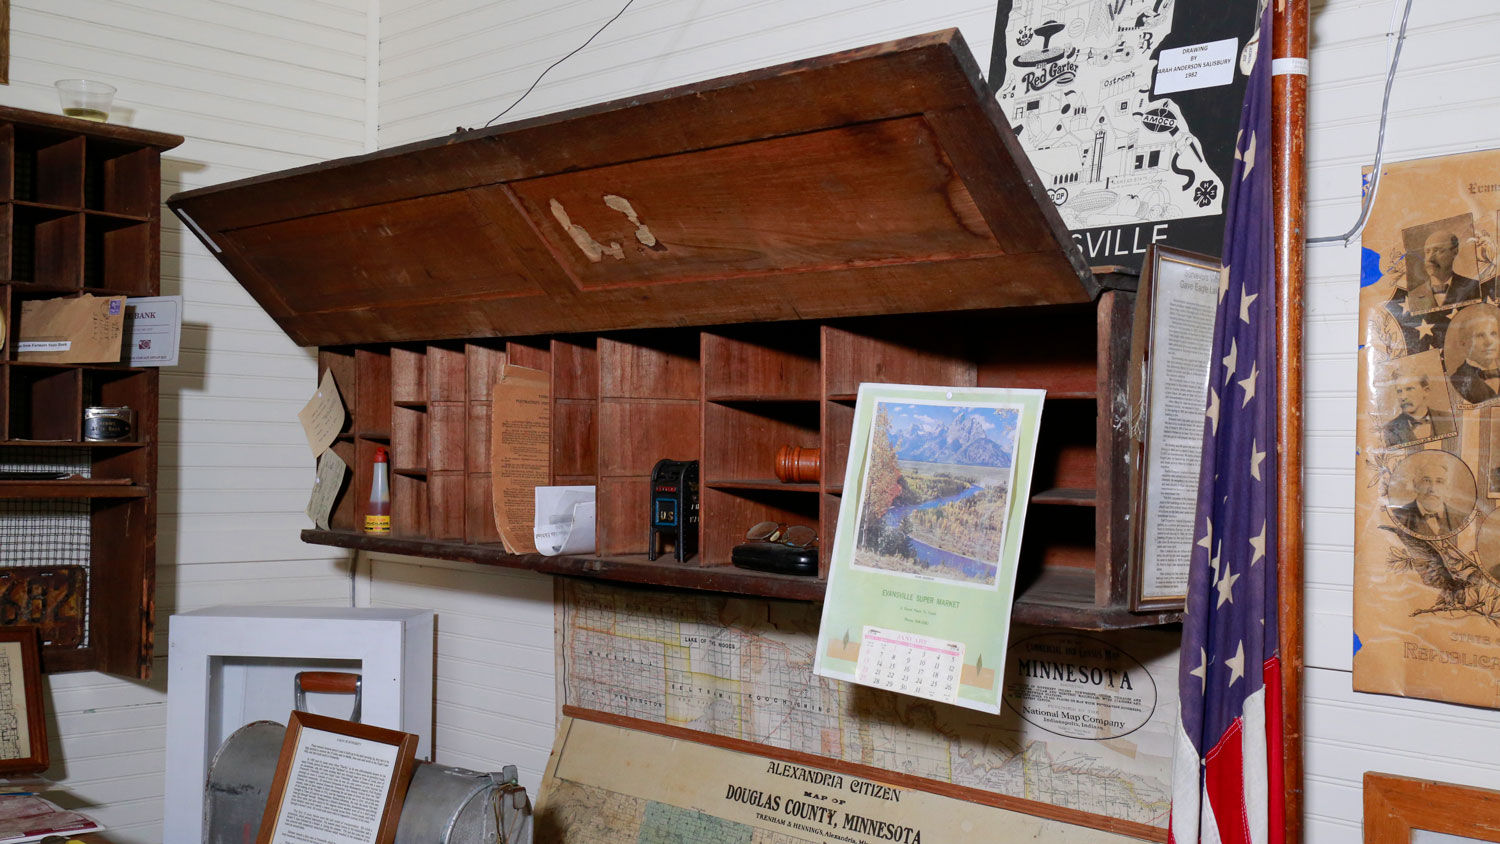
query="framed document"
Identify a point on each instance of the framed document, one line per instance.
(1173, 342)
(1403, 810)
(23, 725)
(338, 782)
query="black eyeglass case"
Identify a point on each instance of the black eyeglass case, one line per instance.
(776, 557)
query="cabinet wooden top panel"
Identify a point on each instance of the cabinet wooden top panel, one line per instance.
(873, 181)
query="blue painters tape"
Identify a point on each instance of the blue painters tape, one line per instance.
(1369, 267)
(1357, 643)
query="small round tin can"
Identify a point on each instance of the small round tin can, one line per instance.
(108, 424)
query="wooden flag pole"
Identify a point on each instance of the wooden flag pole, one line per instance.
(1289, 25)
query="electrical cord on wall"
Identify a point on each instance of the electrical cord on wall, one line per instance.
(563, 59)
(1385, 106)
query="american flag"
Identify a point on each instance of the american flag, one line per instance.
(1227, 775)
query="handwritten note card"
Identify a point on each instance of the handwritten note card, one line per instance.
(331, 472)
(323, 415)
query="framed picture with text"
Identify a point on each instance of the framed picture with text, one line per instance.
(1171, 355)
(23, 724)
(339, 781)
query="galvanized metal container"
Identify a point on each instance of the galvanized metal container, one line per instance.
(444, 805)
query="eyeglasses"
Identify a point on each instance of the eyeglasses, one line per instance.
(797, 536)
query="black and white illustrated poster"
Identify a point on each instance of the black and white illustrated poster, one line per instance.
(1128, 110)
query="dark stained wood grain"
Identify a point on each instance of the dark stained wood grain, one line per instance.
(781, 363)
(446, 446)
(1112, 481)
(479, 505)
(447, 513)
(633, 435)
(575, 438)
(59, 172)
(740, 440)
(575, 368)
(731, 512)
(650, 365)
(872, 193)
(879, 180)
(161, 141)
(408, 374)
(447, 376)
(895, 351)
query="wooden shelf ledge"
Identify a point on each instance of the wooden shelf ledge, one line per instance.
(70, 444)
(634, 568)
(1067, 496)
(85, 488)
(760, 483)
(759, 398)
(1057, 598)
(1064, 597)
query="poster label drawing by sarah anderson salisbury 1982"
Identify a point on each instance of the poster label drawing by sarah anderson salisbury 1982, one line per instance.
(1427, 530)
(1128, 110)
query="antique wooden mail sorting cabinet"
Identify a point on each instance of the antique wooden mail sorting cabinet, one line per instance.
(707, 273)
(80, 214)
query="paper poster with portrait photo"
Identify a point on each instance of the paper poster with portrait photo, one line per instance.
(1441, 267)
(1427, 511)
(1414, 406)
(1471, 355)
(1431, 495)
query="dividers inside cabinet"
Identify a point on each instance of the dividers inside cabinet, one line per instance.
(648, 410)
(117, 253)
(447, 418)
(105, 386)
(408, 454)
(729, 397)
(575, 411)
(484, 360)
(761, 363)
(910, 350)
(46, 246)
(48, 167)
(36, 392)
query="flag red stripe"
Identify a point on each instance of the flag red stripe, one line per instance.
(1275, 771)
(1224, 781)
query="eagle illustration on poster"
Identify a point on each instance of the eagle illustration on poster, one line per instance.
(1128, 110)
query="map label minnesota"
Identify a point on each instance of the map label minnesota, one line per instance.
(1078, 686)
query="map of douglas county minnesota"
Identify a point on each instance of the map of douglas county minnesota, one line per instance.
(605, 784)
(741, 668)
(1128, 110)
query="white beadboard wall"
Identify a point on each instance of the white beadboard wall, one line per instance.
(1439, 106)
(448, 63)
(495, 702)
(254, 86)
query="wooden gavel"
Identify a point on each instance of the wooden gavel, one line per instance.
(797, 465)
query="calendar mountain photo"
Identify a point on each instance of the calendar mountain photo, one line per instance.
(937, 491)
